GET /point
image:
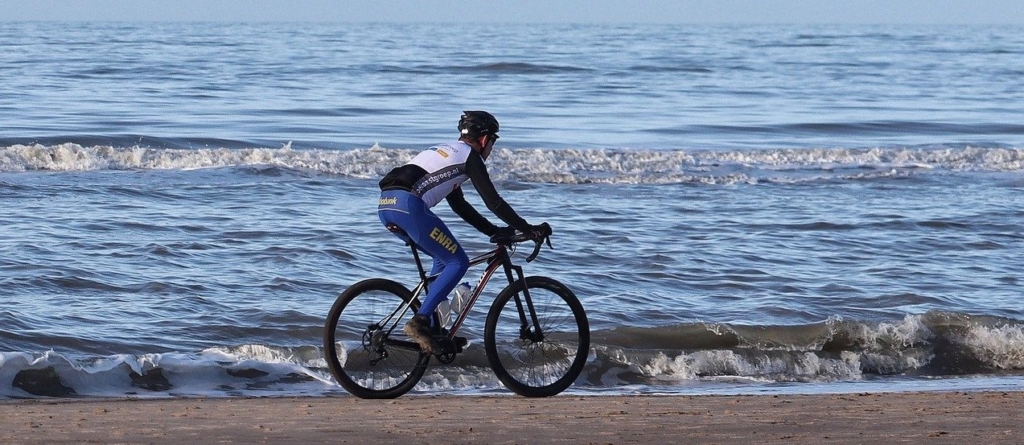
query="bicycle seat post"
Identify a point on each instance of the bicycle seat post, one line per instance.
(408, 242)
(419, 263)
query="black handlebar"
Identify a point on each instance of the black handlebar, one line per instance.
(539, 238)
(536, 247)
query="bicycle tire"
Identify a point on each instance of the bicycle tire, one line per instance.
(529, 367)
(373, 364)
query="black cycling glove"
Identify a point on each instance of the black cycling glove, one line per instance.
(539, 231)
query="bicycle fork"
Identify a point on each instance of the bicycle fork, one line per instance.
(525, 333)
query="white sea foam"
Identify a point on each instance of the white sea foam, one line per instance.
(888, 336)
(568, 166)
(1001, 347)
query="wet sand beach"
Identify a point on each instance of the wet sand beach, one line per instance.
(906, 417)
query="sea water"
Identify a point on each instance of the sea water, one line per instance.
(741, 209)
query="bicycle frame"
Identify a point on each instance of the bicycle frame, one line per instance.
(495, 258)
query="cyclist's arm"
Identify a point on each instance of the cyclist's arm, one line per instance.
(457, 201)
(477, 172)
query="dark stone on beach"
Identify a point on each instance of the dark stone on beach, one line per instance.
(249, 373)
(42, 382)
(293, 377)
(152, 380)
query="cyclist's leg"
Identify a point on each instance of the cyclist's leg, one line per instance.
(430, 235)
(450, 261)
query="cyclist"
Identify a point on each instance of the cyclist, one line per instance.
(409, 191)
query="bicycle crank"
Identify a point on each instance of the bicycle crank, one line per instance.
(448, 348)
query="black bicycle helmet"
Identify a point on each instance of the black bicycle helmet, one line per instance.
(477, 123)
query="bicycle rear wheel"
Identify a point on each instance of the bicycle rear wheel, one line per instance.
(363, 341)
(536, 363)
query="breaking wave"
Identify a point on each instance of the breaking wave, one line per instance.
(556, 166)
(934, 344)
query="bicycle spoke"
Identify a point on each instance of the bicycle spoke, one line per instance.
(364, 345)
(531, 364)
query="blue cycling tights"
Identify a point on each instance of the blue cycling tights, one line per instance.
(430, 235)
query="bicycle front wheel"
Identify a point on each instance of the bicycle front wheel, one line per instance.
(537, 356)
(363, 341)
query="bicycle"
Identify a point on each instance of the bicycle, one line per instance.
(536, 335)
